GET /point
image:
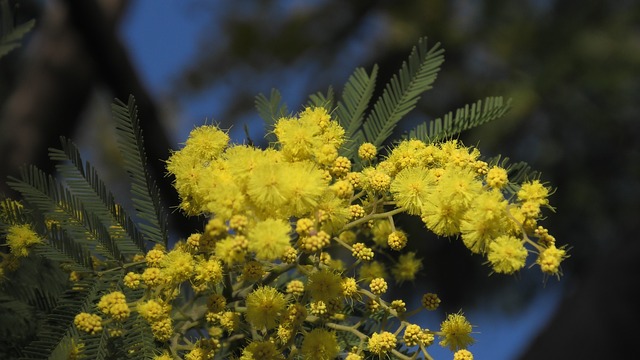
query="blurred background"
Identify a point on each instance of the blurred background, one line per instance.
(571, 67)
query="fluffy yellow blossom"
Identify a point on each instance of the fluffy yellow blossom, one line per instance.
(411, 188)
(456, 332)
(21, 238)
(216, 303)
(407, 154)
(261, 350)
(442, 216)
(349, 287)
(320, 344)
(406, 268)
(306, 185)
(269, 238)
(550, 259)
(485, 220)
(298, 139)
(252, 271)
(463, 354)
(380, 232)
(324, 285)
(177, 265)
(381, 343)
(232, 250)
(507, 254)
(89, 323)
(268, 186)
(207, 274)
(207, 142)
(371, 270)
(533, 191)
(265, 305)
(153, 310)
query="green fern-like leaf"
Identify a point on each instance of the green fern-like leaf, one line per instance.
(11, 40)
(320, 99)
(58, 205)
(144, 192)
(62, 249)
(271, 109)
(518, 172)
(83, 181)
(58, 323)
(351, 110)
(402, 93)
(467, 117)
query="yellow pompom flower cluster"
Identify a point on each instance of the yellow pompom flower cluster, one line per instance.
(114, 304)
(382, 343)
(291, 233)
(89, 323)
(456, 332)
(21, 238)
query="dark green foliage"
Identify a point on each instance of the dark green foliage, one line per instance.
(144, 192)
(351, 110)
(59, 321)
(320, 99)
(10, 38)
(86, 185)
(402, 93)
(83, 230)
(467, 117)
(270, 110)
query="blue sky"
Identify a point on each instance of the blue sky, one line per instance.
(162, 36)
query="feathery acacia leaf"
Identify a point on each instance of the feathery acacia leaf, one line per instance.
(64, 250)
(83, 181)
(402, 93)
(320, 99)
(58, 323)
(60, 206)
(467, 117)
(11, 41)
(271, 109)
(144, 192)
(355, 101)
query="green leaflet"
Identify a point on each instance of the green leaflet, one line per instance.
(58, 205)
(11, 40)
(270, 110)
(350, 112)
(322, 100)
(402, 93)
(144, 192)
(466, 117)
(83, 181)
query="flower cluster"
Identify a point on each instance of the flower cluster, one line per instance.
(291, 247)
